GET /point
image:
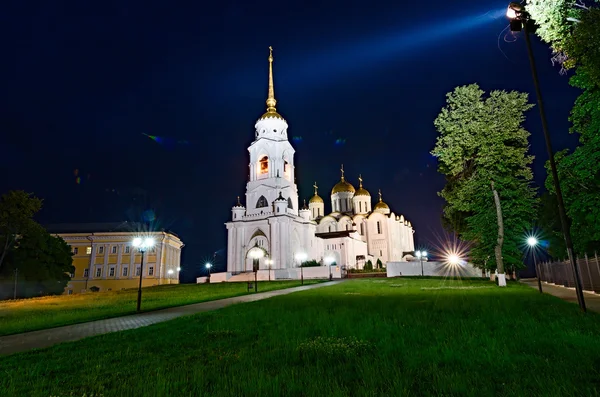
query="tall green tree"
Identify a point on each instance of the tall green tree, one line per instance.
(17, 209)
(482, 150)
(44, 263)
(572, 28)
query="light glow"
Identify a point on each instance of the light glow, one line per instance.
(511, 13)
(142, 244)
(256, 253)
(208, 265)
(532, 241)
(453, 259)
(329, 260)
(170, 271)
(301, 256)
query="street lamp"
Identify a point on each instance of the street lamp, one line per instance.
(520, 19)
(421, 255)
(533, 242)
(269, 262)
(329, 260)
(256, 253)
(142, 245)
(170, 273)
(301, 257)
(453, 259)
(208, 266)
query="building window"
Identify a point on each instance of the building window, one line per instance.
(75, 251)
(114, 249)
(380, 253)
(88, 250)
(137, 271)
(362, 229)
(264, 165)
(151, 271)
(262, 202)
(127, 249)
(360, 206)
(86, 272)
(98, 272)
(100, 250)
(347, 226)
(378, 227)
(124, 272)
(111, 272)
(290, 205)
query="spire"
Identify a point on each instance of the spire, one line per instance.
(238, 201)
(342, 169)
(380, 195)
(271, 102)
(360, 181)
(316, 188)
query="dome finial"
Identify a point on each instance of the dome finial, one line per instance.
(380, 195)
(271, 102)
(342, 169)
(316, 188)
(360, 181)
(238, 203)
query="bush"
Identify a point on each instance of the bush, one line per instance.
(368, 265)
(312, 263)
(379, 264)
(94, 289)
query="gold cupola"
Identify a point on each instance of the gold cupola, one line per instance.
(316, 198)
(361, 191)
(381, 205)
(271, 101)
(342, 186)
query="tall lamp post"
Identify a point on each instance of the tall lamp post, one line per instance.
(142, 245)
(421, 255)
(256, 253)
(170, 273)
(520, 19)
(329, 260)
(208, 266)
(533, 242)
(301, 257)
(269, 262)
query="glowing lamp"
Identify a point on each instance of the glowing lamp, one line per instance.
(208, 265)
(532, 241)
(453, 259)
(329, 260)
(418, 254)
(424, 254)
(178, 269)
(514, 10)
(301, 256)
(143, 244)
(170, 271)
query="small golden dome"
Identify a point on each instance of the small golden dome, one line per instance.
(315, 199)
(270, 114)
(381, 206)
(361, 191)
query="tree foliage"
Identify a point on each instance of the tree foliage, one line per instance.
(17, 209)
(481, 144)
(574, 28)
(43, 261)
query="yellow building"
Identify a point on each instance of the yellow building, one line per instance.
(104, 257)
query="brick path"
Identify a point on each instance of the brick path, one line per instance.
(44, 338)
(592, 300)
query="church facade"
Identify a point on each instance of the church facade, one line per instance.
(273, 232)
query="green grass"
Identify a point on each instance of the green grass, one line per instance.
(397, 337)
(53, 311)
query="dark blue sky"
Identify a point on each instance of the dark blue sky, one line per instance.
(83, 81)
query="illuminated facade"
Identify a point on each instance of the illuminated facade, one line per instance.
(272, 222)
(104, 257)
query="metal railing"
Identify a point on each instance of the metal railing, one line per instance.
(561, 272)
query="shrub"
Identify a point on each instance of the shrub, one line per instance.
(379, 264)
(94, 289)
(312, 263)
(368, 265)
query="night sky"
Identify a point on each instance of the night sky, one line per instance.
(358, 84)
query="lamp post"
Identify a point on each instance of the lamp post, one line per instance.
(256, 253)
(329, 260)
(520, 19)
(269, 262)
(142, 245)
(208, 266)
(170, 273)
(301, 257)
(16, 278)
(421, 255)
(533, 242)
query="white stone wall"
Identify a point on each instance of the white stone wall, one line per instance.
(413, 268)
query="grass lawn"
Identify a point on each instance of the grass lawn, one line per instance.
(368, 337)
(53, 311)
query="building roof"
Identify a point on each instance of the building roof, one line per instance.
(100, 227)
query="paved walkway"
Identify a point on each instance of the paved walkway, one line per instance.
(592, 300)
(44, 338)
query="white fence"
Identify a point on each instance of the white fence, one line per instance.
(295, 273)
(397, 269)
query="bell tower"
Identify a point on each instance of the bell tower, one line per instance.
(271, 162)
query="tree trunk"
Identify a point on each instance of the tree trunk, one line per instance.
(498, 250)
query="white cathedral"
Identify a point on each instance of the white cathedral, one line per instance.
(285, 234)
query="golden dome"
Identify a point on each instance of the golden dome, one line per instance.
(381, 205)
(270, 114)
(361, 191)
(315, 199)
(342, 186)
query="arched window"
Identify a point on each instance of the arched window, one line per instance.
(264, 165)
(262, 202)
(290, 205)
